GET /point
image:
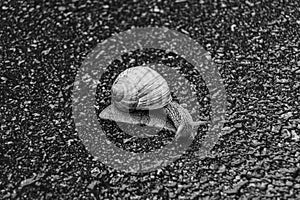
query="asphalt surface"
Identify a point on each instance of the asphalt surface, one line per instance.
(256, 47)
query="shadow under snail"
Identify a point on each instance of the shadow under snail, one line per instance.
(140, 95)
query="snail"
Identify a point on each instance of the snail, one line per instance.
(140, 95)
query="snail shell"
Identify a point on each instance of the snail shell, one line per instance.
(140, 89)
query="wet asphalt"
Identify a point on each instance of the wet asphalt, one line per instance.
(255, 46)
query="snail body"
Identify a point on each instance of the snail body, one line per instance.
(140, 95)
(182, 120)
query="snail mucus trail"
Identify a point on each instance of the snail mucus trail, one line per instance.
(141, 96)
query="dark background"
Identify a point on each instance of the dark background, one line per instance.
(256, 46)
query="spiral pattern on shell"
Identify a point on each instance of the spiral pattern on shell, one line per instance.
(140, 88)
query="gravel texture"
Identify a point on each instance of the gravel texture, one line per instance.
(254, 43)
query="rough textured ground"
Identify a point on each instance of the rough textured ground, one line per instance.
(256, 46)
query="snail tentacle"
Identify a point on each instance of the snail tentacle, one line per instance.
(198, 123)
